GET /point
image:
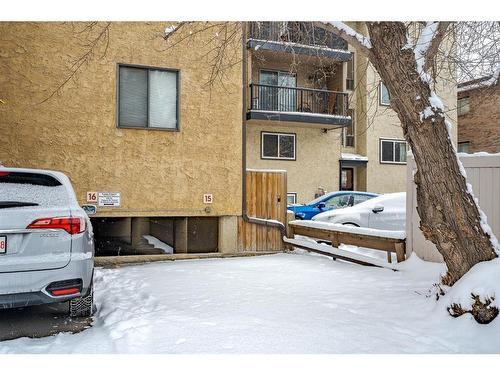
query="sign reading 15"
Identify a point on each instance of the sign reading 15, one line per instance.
(208, 198)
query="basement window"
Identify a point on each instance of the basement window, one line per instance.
(280, 146)
(148, 97)
(392, 151)
(291, 198)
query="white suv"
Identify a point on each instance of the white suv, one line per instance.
(46, 242)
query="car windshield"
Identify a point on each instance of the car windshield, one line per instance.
(319, 199)
(20, 189)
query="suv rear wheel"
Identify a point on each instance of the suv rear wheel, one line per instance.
(83, 306)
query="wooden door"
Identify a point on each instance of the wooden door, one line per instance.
(266, 199)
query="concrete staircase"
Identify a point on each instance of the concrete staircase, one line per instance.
(143, 247)
(114, 247)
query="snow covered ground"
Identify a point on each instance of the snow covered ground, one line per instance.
(285, 303)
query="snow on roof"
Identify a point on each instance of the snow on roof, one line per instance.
(481, 153)
(348, 156)
(349, 31)
(396, 234)
(486, 81)
(299, 45)
(266, 170)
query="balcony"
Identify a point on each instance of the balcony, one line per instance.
(295, 104)
(297, 37)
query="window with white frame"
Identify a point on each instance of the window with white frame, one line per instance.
(383, 94)
(392, 151)
(291, 198)
(348, 131)
(350, 73)
(278, 146)
(463, 106)
(147, 97)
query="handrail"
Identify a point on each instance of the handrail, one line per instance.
(274, 98)
(298, 88)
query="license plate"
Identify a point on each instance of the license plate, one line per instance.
(3, 244)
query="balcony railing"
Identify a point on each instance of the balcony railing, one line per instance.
(294, 99)
(296, 32)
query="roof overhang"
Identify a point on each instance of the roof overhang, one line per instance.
(303, 49)
(326, 121)
(353, 160)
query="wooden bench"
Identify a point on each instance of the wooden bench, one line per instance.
(338, 234)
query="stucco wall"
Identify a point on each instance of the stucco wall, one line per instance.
(159, 173)
(382, 122)
(374, 121)
(317, 158)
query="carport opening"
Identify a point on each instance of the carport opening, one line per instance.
(155, 235)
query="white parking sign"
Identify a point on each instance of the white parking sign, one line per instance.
(109, 199)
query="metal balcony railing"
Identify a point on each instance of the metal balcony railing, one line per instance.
(296, 99)
(296, 32)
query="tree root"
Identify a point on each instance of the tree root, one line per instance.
(482, 312)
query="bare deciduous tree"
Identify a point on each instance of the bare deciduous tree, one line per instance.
(450, 217)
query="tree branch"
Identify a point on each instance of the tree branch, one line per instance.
(435, 43)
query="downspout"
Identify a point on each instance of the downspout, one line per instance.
(244, 215)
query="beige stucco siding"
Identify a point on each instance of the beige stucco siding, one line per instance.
(157, 172)
(317, 158)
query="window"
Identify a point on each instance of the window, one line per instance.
(392, 151)
(383, 94)
(291, 198)
(463, 106)
(277, 92)
(339, 201)
(360, 198)
(463, 147)
(278, 146)
(348, 131)
(147, 97)
(349, 83)
(347, 179)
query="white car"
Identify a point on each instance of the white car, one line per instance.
(46, 242)
(386, 212)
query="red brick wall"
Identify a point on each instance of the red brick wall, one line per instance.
(481, 125)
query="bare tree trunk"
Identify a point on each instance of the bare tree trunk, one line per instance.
(448, 213)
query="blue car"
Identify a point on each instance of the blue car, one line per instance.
(330, 201)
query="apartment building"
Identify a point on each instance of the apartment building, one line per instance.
(155, 151)
(136, 129)
(318, 110)
(479, 115)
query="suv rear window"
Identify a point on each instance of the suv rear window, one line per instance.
(23, 189)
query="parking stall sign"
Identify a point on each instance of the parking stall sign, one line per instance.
(108, 199)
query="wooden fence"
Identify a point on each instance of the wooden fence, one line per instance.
(338, 234)
(483, 173)
(266, 199)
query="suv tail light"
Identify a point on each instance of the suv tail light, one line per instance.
(72, 225)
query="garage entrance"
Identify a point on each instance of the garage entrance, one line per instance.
(155, 235)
